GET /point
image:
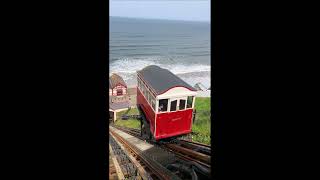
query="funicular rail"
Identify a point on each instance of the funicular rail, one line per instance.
(154, 170)
(196, 153)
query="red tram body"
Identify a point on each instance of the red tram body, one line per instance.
(166, 101)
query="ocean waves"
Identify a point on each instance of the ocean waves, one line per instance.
(131, 65)
(190, 72)
(183, 48)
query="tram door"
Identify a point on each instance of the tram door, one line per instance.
(176, 117)
(186, 115)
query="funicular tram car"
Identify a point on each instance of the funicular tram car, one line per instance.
(166, 102)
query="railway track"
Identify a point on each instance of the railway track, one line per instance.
(123, 167)
(195, 154)
(147, 167)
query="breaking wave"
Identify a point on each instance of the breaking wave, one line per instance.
(191, 73)
(132, 65)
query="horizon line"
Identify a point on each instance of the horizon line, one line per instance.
(204, 21)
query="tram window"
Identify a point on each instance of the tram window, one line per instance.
(146, 92)
(148, 97)
(153, 104)
(143, 90)
(189, 101)
(173, 106)
(182, 104)
(163, 105)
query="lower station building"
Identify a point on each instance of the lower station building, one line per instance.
(119, 97)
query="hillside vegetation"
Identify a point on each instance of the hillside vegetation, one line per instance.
(131, 123)
(201, 129)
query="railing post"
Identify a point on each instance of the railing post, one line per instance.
(194, 115)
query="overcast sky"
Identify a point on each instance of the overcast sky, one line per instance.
(192, 10)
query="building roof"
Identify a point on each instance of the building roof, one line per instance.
(161, 80)
(119, 105)
(199, 86)
(114, 80)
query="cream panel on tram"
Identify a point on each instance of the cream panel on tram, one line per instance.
(177, 92)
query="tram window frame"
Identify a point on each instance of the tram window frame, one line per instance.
(189, 106)
(165, 108)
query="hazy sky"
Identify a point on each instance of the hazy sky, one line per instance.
(194, 10)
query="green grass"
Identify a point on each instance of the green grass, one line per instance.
(202, 127)
(131, 123)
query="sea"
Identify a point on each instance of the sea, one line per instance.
(183, 47)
